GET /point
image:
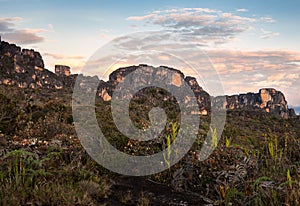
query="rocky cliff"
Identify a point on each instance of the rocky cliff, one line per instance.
(25, 68)
(106, 89)
(267, 100)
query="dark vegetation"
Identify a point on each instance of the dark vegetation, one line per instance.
(256, 162)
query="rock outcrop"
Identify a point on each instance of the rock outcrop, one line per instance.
(62, 70)
(25, 68)
(203, 98)
(106, 89)
(268, 100)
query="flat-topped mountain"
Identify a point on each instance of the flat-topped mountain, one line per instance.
(267, 100)
(25, 68)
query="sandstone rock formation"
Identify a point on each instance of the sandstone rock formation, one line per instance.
(25, 68)
(62, 70)
(203, 98)
(106, 89)
(267, 100)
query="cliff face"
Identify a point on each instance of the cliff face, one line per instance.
(106, 89)
(267, 100)
(203, 98)
(25, 68)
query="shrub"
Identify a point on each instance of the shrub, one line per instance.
(8, 114)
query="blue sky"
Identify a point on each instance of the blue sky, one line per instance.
(252, 44)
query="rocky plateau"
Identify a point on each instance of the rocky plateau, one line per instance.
(25, 68)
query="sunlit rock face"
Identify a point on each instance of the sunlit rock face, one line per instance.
(202, 96)
(267, 100)
(274, 102)
(62, 70)
(176, 79)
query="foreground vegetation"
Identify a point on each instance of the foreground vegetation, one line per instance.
(257, 161)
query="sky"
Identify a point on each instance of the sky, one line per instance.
(248, 44)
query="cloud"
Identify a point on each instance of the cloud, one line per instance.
(244, 71)
(6, 24)
(200, 24)
(61, 56)
(205, 26)
(267, 19)
(268, 34)
(242, 10)
(206, 10)
(24, 36)
(258, 61)
(276, 77)
(140, 18)
(10, 32)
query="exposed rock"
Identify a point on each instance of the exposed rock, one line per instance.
(30, 57)
(176, 79)
(117, 76)
(268, 100)
(25, 68)
(202, 96)
(107, 88)
(9, 50)
(62, 70)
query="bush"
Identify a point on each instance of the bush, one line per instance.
(8, 114)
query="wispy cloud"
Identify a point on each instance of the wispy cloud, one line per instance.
(242, 10)
(205, 26)
(267, 19)
(252, 70)
(10, 32)
(24, 36)
(141, 18)
(200, 24)
(6, 24)
(268, 34)
(61, 56)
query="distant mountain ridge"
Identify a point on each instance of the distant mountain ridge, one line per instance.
(25, 68)
(266, 100)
